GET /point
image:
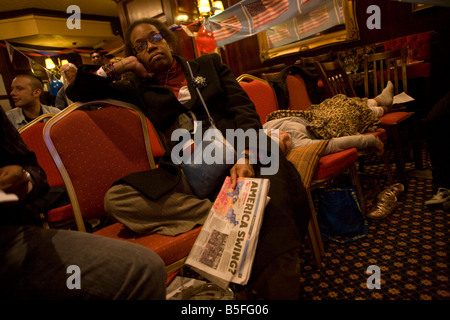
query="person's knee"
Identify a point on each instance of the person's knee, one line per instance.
(113, 200)
(158, 275)
(280, 280)
(158, 265)
(151, 272)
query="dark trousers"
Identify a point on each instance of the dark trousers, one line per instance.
(437, 130)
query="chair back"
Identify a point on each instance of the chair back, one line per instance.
(155, 141)
(298, 93)
(335, 78)
(308, 62)
(33, 136)
(261, 94)
(269, 76)
(376, 68)
(95, 144)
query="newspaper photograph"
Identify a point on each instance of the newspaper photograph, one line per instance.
(225, 248)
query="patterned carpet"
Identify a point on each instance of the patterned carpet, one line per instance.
(410, 247)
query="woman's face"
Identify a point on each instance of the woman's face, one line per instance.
(157, 57)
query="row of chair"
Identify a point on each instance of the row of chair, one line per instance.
(334, 78)
(379, 68)
(326, 168)
(86, 148)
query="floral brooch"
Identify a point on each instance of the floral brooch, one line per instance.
(199, 82)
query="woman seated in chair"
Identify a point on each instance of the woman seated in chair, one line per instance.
(164, 89)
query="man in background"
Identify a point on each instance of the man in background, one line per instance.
(26, 91)
(97, 57)
(68, 74)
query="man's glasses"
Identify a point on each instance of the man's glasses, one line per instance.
(154, 38)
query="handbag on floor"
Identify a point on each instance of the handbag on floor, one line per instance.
(339, 215)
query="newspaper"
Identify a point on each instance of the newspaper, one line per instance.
(402, 98)
(225, 248)
(179, 285)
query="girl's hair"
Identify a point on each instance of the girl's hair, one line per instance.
(162, 27)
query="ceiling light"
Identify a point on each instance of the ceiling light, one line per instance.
(49, 64)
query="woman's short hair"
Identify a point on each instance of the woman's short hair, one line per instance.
(161, 26)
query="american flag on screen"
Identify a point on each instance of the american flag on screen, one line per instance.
(316, 18)
(228, 27)
(278, 36)
(341, 10)
(264, 11)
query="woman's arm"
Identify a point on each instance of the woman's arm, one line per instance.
(359, 142)
(94, 84)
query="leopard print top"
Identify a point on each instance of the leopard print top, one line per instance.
(335, 117)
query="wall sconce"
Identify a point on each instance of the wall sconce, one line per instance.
(204, 7)
(218, 7)
(49, 64)
(55, 70)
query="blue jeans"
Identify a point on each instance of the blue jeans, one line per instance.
(60, 264)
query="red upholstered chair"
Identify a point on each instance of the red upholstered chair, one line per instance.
(317, 171)
(333, 165)
(328, 167)
(419, 68)
(420, 46)
(261, 93)
(32, 135)
(93, 145)
(298, 94)
(337, 81)
(306, 159)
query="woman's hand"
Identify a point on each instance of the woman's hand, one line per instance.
(14, 180)
(132, 64)
(379, 146)
(241, 170)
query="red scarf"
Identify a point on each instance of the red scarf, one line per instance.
(174, 78)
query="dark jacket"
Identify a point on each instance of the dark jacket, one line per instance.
(227, 102)
(13, 151)
(281, 90)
